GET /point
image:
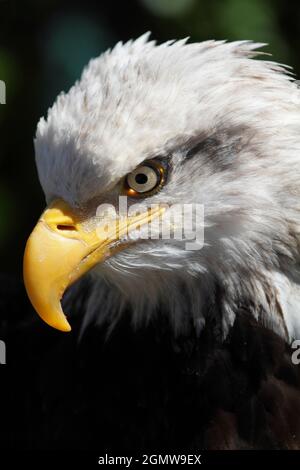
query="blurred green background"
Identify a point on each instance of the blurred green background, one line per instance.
(45, 44)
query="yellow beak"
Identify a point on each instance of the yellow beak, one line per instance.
(59, 251)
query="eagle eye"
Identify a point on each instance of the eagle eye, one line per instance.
(145, 179)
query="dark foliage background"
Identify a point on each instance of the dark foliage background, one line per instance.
(45, 44)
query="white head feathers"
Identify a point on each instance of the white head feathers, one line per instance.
(238, 120)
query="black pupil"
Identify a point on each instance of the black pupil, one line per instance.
(141, 178)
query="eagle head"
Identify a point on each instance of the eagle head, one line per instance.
(166, 130)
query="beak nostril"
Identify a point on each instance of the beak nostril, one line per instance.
(68, 228)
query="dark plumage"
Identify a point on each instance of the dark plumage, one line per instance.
(146, 390)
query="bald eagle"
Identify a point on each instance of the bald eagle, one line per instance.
(170, 347)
